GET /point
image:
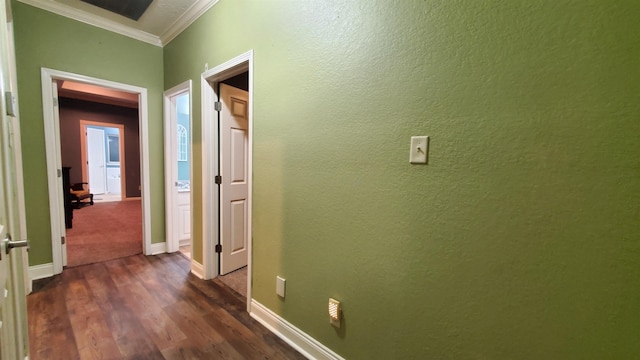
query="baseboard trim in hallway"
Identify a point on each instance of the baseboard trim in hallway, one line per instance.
(298, 339)
(37, 272)
(158, 248)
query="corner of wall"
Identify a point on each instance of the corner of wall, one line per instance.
(197, 269)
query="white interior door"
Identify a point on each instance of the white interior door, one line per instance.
(7, 314)
(115, 158)
(13, 317)
(96, 161)
(234, 191)
(14, 342)
(13, 313)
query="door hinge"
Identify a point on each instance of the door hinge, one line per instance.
(59, 172)
(217, 106)
(218, 179)
(63, 240)
(55, 101)
(10, 102)
(218, 248)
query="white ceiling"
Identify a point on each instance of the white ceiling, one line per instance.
(163, 20)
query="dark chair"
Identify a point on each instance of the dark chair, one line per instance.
(79, 193)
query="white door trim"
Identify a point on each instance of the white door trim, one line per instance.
(210, 225)
(170, 166)
(52, 146)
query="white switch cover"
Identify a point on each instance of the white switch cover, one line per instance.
(419, 149)
(280, 282)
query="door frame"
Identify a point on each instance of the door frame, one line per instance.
(210, 144)
(84, 155)
(170, 161)
(54, 163)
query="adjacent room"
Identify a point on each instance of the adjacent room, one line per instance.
(99, 140)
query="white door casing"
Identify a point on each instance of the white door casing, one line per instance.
(52, 142)
(57, 221)
(210, 142)
(96, 161)
(234, 190)
(177, 202)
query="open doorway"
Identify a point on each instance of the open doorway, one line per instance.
(177, 156)
(227, 138)
(97, 157)
(234, 148)
(57, 190)
(103, 159)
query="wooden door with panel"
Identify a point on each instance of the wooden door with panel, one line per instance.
(234, 189)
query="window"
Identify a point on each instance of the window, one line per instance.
(182, 143)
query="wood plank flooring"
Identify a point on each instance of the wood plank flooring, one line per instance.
(142, 307)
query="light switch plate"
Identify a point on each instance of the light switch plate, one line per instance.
(280, 286)
(419, 150)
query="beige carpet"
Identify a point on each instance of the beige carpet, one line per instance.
(105, 231)
(237, 280)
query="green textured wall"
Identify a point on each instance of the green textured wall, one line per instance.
(519, 240)
(47, 40)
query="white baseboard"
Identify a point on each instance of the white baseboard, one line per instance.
(197, 269)
(41, 271)
(305, 344)
(38, 272)
(158, 248)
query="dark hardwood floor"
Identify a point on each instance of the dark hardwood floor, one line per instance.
(142, 307)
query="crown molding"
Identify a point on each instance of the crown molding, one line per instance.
(90, 19)
(189, 17)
